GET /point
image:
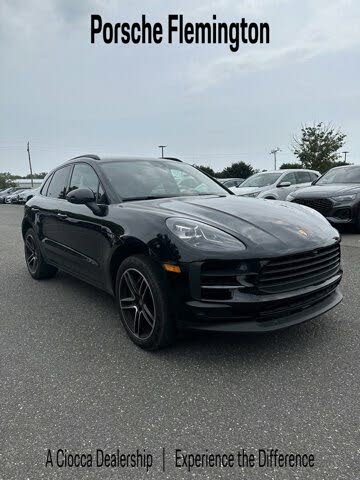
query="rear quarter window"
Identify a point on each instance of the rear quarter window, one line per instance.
(45, 186)
(59, 183)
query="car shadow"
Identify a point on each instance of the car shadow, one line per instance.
(194, 347)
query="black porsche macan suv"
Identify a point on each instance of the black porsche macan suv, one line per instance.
(178, 250)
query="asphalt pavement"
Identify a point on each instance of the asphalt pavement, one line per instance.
(70, 379)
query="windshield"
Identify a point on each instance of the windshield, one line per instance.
(145, 179)
(340, 175)
(261, 180)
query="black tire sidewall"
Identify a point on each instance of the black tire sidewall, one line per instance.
(43, 270)
(31, 232)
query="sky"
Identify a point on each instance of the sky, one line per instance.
(210, 106)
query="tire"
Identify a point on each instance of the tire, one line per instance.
(144, 303)
(35, 263)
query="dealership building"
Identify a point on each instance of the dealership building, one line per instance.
(26, 182)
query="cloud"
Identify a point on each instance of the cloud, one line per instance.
(332, 26)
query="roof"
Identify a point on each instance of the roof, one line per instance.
(284, 170)
(116, 158)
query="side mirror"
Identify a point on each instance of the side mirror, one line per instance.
(85, 196)
(81, 196)
(284, 184)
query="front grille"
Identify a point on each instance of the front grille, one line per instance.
(292, 272)
(322, 205)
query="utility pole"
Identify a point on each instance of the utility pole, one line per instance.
(31, 173)
(162, 150)
(274, 152)
(345, 155)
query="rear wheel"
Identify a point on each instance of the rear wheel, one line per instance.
(144, 303)
(36, 265)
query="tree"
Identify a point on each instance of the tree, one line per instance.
(6, 180)
(38, 176)
(290, 165)
(318, 146)
(237, 170)
(206, 169)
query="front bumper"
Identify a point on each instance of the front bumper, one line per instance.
(287, 291)
(232, 318)
(335, 213)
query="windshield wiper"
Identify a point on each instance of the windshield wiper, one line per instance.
(147, 197)
(155, 197)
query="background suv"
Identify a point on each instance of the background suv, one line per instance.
(275, 185)
(336, 195)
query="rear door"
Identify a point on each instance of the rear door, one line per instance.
(50, 216)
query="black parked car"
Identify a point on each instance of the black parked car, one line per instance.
(178, 250)
(336, 195)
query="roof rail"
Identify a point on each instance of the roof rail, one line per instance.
(171, 158)
(87, 155)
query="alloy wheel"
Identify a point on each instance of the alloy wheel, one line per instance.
(137, 303)
(31, 253)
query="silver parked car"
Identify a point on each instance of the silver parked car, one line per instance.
(13, 197)
(277, 184)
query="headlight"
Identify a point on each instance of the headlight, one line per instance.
(344, 198)
(255, 194)
(202, 236)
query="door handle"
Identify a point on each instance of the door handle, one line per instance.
(62, 215)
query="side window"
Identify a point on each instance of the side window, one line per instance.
(84, 176)
(303, 177)
(313, 176)
(46, 185)
(58, 184)
(102, 198)
(289, 177)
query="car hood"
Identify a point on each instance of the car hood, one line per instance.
(326, 190)
(246, 190)
(270, 228)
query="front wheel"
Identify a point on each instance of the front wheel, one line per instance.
(35, 262)
(144, 303)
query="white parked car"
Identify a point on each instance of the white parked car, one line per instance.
(25, 195)
(277, 184)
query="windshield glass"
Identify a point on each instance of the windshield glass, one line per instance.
(261, 180)
(143, 179)
(340, 175)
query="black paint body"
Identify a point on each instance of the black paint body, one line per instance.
(92, 245)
